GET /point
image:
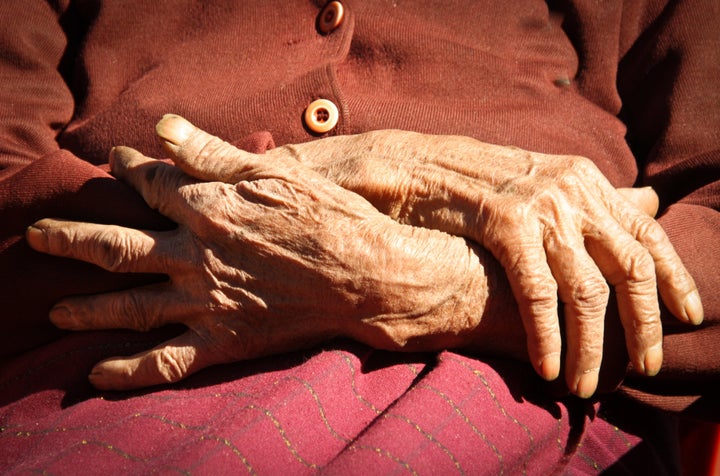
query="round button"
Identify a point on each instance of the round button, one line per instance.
(331, 17)
(321, 116)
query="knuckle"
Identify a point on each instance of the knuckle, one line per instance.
(515, 212)
(540, 295)
(573, 179)
(212, 149)
(640, 267)
(590, 296)
(170, 365)
(511, 243)
(111, 249)
(129, 311)
(650, 233)
(582, 167)
(507, 216)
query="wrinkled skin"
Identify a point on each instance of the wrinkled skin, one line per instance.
(279, 261)
(278, 249)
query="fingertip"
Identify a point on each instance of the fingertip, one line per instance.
(121, 158)
(105, 375)
(645, 199)
(174, 129)
(61, 316)
(653, 360)
(98, 380)
(586, 384)
(650, 201)
(549, 367)
(116, 160)
(111, 157)
(37, 238)
(693, 308)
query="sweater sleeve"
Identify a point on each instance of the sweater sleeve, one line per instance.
(35, 102)
(669, 82)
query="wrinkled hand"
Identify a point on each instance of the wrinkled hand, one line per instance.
(555, 224)
(278, 261)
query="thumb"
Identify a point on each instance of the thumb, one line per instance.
(645, 199)
(202, 155)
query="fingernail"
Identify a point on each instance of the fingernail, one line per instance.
(111, 157)
(37, 238)
(120, 159)
(550, 367)
(99, 378)
(174, 128)
(694, 308)
(653, 360)
(112, 374)
(62, 317)
(587, 384)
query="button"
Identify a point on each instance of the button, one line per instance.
(331, 17)
(321, 116)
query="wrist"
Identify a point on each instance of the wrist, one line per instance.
(432, 290)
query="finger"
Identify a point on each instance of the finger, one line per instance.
(111, 247)
(164, 187)
(203, 155)
(167, 363)
(584, 291)
(630, 269)
(535, 291)
(676, 285)
(644, 199)
(138, 309)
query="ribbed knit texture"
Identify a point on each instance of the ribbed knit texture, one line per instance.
(633, 86)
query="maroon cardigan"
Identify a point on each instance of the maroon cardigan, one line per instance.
(632, 86)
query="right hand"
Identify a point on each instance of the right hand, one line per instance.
(555, 224)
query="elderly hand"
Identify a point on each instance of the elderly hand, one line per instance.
(277, 261)
(555, 223)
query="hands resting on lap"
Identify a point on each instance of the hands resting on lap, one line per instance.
(379, 237)
(272, 263)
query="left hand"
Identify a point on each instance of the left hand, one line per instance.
(277, 261)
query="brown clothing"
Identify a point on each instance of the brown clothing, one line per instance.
(631, 85)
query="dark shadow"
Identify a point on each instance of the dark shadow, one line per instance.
(526, 386)
(32, 282)
(65, 363)
(658, 452)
